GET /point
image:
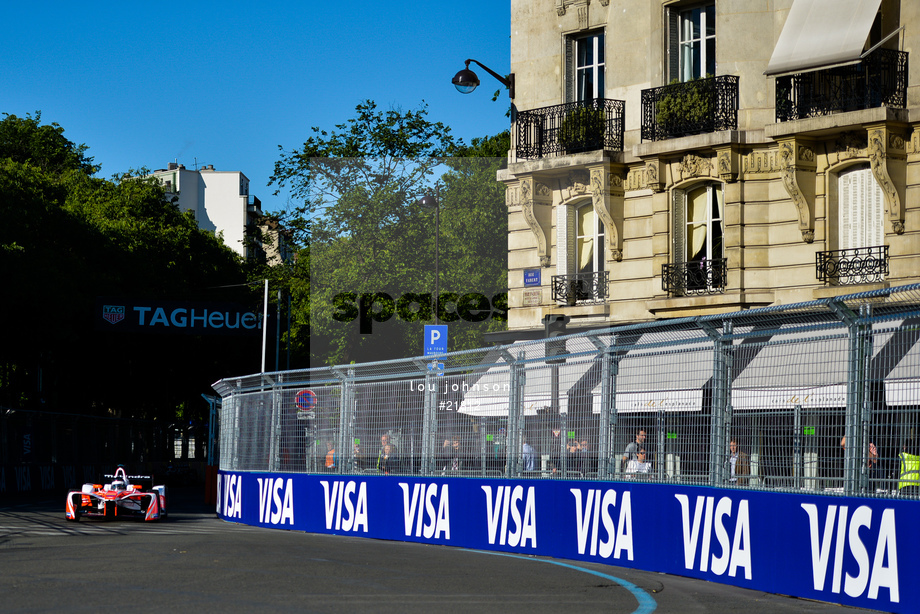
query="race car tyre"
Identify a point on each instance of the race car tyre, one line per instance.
(109, 509)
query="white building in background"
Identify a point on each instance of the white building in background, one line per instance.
(221, 203)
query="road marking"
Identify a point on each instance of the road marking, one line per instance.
(647, 604)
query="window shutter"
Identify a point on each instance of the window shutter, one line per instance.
(846, 210)
(673, 58)
(875, 212)
(569, 70)
(565, 241)
(679, 208)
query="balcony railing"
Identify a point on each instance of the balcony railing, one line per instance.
(570, 128)
(580, 288)
(691, 107)
(691, 278)
(879, 80)
(845, 267)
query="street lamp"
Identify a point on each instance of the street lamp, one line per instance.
(466, 80)
(429, 200)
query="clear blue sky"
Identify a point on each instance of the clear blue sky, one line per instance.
(225, 83)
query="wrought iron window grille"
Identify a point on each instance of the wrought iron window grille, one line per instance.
(879, 80)
(844, 267)
(694, 278)
(570, 128)
(691, 107)
(580, 288)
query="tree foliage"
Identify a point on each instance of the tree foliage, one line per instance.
(25, 140)
(368, 232)
(66, 238)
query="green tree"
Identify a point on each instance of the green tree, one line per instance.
(66, 238)
(368, 232)
(25, 140)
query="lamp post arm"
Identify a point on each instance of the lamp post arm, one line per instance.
(508, 81)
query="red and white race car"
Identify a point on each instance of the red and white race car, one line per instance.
(117, 499)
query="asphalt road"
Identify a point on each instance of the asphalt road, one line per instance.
(194, 560)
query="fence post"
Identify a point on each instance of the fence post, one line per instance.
(855, 379)
(607, 420)
(346, 438)
(234, 435)
(430, 416)
(513, 464)
(721, 408)
(864, 397)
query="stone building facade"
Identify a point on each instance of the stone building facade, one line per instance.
(675, 158)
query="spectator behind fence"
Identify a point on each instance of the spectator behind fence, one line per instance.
(388, 462)
(639, 466)
(909, 475)
(330, 456)
(588, 457)
(527, 456)
(875, 468)
(384, 442)
(632, 449)
(573, 456)
(739, 464)
(452, 455)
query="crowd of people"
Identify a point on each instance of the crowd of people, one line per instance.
(579, 460)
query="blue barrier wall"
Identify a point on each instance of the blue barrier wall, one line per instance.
(853, 551)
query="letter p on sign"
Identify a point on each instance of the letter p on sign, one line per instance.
(435, 339)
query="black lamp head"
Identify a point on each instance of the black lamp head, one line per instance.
(466, 80)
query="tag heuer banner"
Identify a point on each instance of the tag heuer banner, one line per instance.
(177, 317)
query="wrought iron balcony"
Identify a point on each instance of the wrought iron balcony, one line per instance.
(570, 128)
(879, 80)
(580, 288)
(692, 107)
(691, 278)
(853, 266)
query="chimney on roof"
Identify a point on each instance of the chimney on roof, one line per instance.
(172, 166)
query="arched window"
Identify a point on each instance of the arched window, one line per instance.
(580, 267)
(860, 255)
(699, 245)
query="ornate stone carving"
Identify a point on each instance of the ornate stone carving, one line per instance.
(878, 161)
(527, 208)
(727, 161)
(793, 176)
(806, 154)
(653, 176)
(636, 179)
(601, 197)
(578, 181)
(758, 162)
(849, 145)
(694, 166)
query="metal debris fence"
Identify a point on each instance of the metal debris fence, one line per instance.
(822, 396)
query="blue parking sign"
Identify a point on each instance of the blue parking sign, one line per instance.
(435, 339)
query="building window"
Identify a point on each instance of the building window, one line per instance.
(703, 237)
(699, 264)
(861, 255)
(581, 274)
(589, 240)
(861, 221)
(691, 42)
(585, 67)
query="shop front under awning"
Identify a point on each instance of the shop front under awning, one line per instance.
(822, 33)
(810, 369)
(489, 394)
(664, 371)
(902, 384)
